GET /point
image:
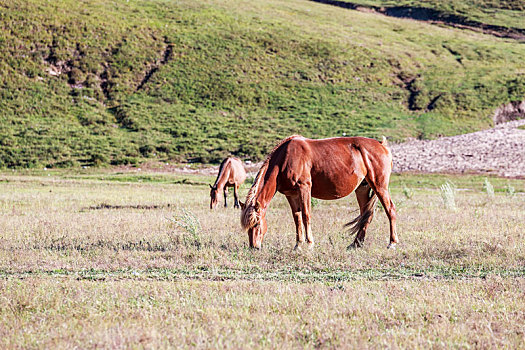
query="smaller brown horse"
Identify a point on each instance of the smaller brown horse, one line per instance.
(231, 174)
(302, 168)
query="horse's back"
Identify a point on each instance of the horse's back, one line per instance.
(237, 174)
(364, 146)
(337, 149)
(335, 166)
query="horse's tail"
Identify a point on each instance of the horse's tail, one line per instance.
(359, 222)
(384, 142)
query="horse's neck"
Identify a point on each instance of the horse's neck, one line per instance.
(268, 186)
(223, 176)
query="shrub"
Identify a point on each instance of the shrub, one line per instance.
(487, 187)
(191, 227)
(448, 194)
(509, 189)
(408, 192)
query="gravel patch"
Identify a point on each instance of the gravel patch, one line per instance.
(498, 151)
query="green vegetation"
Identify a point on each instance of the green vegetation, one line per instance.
(97, 83)
(143, 262)
(506, 13)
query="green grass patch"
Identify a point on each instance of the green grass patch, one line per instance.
(327, 276)
(470, 182)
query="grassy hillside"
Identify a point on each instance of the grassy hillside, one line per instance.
(98, 82)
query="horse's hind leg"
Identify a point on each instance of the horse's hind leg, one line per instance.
(380, 187)
(295, 205)
(366, 203)
(390, 210)
(235, 196)
(225, 191)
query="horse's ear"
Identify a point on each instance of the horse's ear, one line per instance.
(242, 205)
(210, 186)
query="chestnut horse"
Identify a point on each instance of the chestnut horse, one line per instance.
(231, 174)
(302, 168)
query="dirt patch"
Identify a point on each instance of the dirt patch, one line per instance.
(166, 55)
(512, 111)
(499, 151)
(128, 206)
(190, 169)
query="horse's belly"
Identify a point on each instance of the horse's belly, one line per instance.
(324, 187)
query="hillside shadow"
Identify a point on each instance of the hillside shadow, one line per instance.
(432, 16)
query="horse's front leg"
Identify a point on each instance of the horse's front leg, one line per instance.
(225, 191)
(306, 204)
(297, 218)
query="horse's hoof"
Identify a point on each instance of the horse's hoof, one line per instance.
(297, 248)
(255, 246)
(310, 245)
(353, 246)
(392, 246)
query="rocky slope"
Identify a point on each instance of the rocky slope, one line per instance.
(500, 150)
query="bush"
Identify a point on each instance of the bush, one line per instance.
(448, 194)
(488, 188)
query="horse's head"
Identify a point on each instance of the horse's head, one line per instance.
(213, 196)
(253, 219)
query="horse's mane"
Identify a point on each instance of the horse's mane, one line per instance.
(249, 216)
(221, 169)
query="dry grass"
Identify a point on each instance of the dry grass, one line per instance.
(75, 272)
(63, 313)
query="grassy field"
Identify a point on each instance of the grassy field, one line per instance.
(138, 260)
(98, 82)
